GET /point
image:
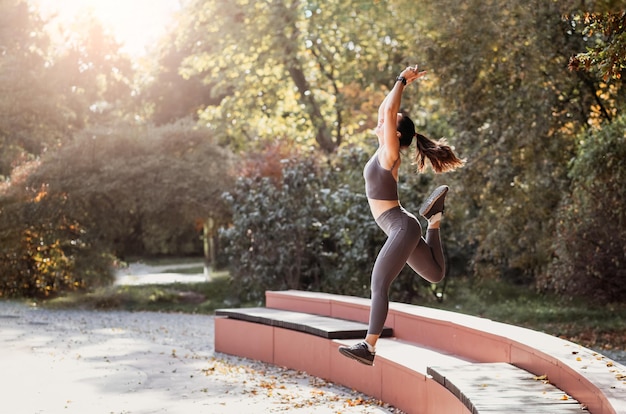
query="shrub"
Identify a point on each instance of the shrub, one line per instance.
(274, 237)
(591, 227)
(49, 254)
(118, 191)
(307, 225)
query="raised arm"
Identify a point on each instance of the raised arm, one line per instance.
(388, 115)
(381, 111)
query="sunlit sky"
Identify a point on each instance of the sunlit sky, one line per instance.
(135, 23)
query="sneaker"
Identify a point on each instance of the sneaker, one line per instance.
(359, 352)
(434, 203)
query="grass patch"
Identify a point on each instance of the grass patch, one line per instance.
(593, 326)
(177, 297)
(185, 270)
(166, 261)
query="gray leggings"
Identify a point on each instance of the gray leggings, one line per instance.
(404, 244)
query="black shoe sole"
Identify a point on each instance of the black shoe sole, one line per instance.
(347, 353)
(432, 199)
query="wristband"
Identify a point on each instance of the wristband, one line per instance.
(401, 79)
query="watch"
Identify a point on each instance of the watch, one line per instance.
(401, 79)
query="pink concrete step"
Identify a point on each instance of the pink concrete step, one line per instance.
(411, 377)
(589, 377)
(399, 376)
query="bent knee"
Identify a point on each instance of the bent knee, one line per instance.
(437, 277)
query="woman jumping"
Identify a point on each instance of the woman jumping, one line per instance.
(404, 243)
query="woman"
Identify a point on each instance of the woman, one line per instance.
(404, 243)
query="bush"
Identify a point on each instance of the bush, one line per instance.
(275, 233)
(49, 254)
(307, 225)
(591, 227)
(124, 190)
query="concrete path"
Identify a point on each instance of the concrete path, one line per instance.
(142, 274)
(122, 362)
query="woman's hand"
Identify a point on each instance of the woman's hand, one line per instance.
(412, 73)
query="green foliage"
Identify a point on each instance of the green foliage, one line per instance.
(589, 249)
(350, 237)
(607, 37)
(169, 96)
(142, 190)
(48, 252)
(310, 227)
(32, 116)
(303, 74)
(49, 91)
(179, 297)
(501, 69)
(123, 191)
(296, 70)
(275, 238)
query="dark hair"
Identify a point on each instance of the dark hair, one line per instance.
(438, 153)
(406, 128)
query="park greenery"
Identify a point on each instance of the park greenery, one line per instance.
(594, 326)
(257, 117)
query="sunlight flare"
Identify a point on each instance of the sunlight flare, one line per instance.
(135, 24)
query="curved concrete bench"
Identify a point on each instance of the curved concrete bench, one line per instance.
(309, 343)
(586, 376)
(406, 375)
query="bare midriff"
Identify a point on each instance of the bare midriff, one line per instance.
(378, 207)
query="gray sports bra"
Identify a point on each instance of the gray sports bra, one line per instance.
(379, 182)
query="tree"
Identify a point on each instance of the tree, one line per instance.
(95, 78)
(171, 96)
(47, 92)
(607, 54)
(274, 239)
(44, 250)
(31, 116)
(600, 66)
(292, 70)
(143, 190)
(588, 257)
(501, 67)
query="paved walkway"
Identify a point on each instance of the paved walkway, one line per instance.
(142, 274)
(122, 362)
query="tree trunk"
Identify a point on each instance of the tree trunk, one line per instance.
(286, 18)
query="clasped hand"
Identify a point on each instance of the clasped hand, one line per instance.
(412, 73)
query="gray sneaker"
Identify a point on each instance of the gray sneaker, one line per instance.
(359, 352)
(434, 203)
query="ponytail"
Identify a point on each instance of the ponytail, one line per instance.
(438, 153)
